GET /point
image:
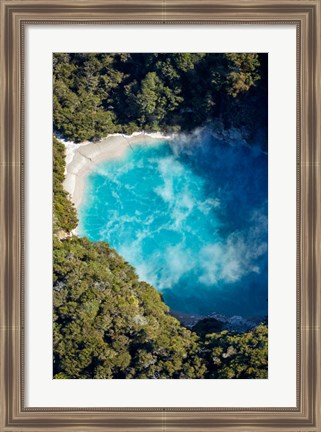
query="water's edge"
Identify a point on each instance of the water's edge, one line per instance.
(82, 160)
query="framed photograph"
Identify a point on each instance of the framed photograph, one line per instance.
(160, 229)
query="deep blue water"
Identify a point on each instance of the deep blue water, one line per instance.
(191, 217)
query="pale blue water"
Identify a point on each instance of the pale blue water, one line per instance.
(191, 217)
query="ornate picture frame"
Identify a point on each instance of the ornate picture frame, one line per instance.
(306, 16)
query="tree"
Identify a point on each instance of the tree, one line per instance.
(240, 356)
(243, 72)
(97, 94)
(108, 324)
(64, 212)
(155, 100)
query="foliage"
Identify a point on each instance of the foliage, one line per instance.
(98, 94)
(64, 212)
(243, 72)
(108, 324)
(229, 355)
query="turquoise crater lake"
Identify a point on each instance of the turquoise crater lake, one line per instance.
(190, 215)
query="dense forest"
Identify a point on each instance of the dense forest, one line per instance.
(98, 94)
(108, 323)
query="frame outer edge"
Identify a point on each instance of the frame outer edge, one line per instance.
(2, 226)
(3, 231)
(317, 332)
(311, 223)
(10, 244)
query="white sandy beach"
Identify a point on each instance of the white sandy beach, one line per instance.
(82, 158)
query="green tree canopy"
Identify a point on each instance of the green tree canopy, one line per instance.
(99, 94)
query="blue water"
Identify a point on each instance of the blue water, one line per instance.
(191, 217)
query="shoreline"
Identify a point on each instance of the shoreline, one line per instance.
(234, 322)
(81, 159)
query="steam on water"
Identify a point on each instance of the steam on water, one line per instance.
(191, 216)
